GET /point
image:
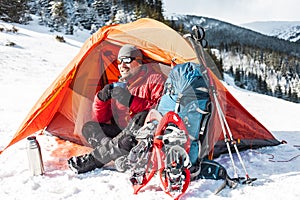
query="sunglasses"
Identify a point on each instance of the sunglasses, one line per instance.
(126, 60)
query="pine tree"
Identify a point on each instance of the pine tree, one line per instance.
(259, 84)
(58, 15)
(155, 10)
(262, 85)
(219, 63)
(295, 97)
(278, 91)
(43, 12)
(231, 71)
(69, 9)
(82, 16)
(14, 11)
(237, 77)
(102, 12)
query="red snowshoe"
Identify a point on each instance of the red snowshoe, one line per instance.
(163, 148)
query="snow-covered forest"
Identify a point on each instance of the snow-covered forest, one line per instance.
(65, 15)
(264, 72)
(257, 62)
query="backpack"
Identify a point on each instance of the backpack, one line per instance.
(186, 93)
(169, 143)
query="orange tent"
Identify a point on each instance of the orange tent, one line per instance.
(66, 105)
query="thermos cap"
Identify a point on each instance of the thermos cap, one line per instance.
(31, 138)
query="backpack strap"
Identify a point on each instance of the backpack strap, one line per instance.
(205, 119)
(177, 105)
(203, 127)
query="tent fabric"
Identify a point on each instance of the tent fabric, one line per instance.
(66, 105)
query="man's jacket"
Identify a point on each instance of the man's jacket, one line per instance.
(146, 88)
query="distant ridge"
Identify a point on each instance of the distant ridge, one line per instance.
(287, 30)
(220, 33)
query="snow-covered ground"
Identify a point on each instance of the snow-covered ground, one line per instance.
(28, 68)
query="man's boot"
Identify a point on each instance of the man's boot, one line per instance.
(109, 149)
(84, 163)
(121, 144)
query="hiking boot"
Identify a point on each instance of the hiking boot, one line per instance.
(83, 163)
(122, 164)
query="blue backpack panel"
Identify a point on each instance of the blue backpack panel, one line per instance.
(187, 94)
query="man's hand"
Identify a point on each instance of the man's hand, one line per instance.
(105, 93)
(122, 95)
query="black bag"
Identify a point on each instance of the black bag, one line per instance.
(212, 170)
(209, 169)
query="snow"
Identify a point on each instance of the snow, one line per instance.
(287, 30)
(28, 68)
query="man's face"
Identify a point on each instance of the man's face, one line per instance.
(128, 66)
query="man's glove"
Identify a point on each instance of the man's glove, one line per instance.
(105, 93)
(122, 95)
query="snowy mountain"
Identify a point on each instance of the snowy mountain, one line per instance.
(257, 56)
(287, 30)
(220, 33)
(29, 66)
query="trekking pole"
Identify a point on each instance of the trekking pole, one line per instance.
(248, 179)
(219, 110)
(195, 42)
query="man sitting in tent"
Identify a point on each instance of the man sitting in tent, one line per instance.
(125, 104)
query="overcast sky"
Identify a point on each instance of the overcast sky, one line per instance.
(237, 11)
